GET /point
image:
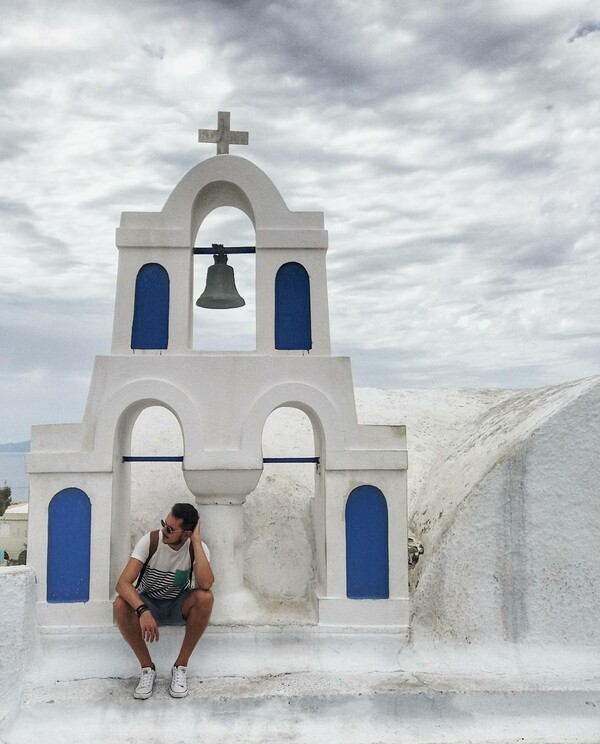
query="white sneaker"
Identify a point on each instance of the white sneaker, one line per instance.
(178, 688)
(145, 685)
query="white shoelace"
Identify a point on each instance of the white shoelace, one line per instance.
(146, 679)
(179, 677)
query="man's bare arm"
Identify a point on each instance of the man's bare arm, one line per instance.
(128, 592)
(125, 587)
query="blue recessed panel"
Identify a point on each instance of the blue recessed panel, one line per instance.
(150, 328)
(69, 534)
(367, 561)
(292, 308)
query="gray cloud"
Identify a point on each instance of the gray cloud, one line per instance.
(154, 50)
(584, 29)
(453, 149)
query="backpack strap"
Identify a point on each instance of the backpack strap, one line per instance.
(192, 562)
(153, 546)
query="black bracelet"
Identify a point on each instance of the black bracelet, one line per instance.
(141, 609)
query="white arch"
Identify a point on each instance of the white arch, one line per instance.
(118, 413)
(327, 424)
(223, 180)
(229, 181)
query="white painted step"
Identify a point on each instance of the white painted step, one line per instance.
(307, 686)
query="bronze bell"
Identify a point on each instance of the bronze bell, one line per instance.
(220, 292)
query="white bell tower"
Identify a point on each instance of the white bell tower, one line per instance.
(80, 473)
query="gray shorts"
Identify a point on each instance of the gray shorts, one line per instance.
(166, 611)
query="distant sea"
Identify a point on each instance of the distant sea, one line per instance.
(12, 469)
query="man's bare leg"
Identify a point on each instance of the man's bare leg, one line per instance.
(129, 625)
(196, 608)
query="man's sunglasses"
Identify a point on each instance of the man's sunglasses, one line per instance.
(170, 530)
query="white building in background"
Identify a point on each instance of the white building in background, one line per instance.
(13, 530)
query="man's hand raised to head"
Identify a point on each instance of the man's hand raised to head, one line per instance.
(202, 570)
(196, 532)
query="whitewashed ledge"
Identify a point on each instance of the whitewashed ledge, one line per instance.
(301, 684)
(17, 636)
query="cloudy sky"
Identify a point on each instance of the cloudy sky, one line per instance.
(453, 146)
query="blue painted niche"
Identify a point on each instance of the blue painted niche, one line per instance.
(367, 556)
(150, 329)
(69, 537)
(292, 307)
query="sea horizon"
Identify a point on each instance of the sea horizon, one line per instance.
(13, 474)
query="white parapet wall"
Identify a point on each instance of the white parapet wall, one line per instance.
(17, 620)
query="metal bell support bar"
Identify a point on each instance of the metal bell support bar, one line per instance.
(227, 251)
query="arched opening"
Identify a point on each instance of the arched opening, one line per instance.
(150, 328)
(155, 485)
(279, 543)
(144, 491)
(292, 308)
(232, 329)
(69, 539)
(367, 556)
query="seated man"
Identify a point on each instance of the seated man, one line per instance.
(155, 589)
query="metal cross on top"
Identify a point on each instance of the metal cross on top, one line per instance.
(223, 136)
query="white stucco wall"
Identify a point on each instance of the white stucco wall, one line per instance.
(515, 555)
(17, 621)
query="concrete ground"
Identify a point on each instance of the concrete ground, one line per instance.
(307, 685)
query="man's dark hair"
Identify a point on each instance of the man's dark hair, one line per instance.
(186, 512)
